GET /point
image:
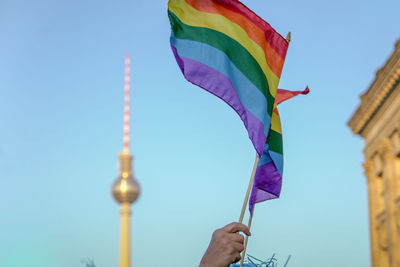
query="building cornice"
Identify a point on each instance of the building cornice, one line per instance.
(385, 82)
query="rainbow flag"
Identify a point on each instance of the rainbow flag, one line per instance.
(226, 49)
(268, 179)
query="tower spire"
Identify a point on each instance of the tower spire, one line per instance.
(127, 102)
(125, 189)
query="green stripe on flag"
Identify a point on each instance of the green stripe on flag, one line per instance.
(274, 140)
(238, 55)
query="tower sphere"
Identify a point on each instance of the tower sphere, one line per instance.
(125, 190)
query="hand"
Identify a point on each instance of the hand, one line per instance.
(225, 246)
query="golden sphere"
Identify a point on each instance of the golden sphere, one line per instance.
(125, 189)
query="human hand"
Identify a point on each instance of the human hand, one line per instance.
(225, 246)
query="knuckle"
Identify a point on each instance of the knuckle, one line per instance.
(216, 233)
(224, 242)
(231, 225)
(231, 250)
(235, 224)
(238, 258)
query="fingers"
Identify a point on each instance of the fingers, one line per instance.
(237, 227)
(234, 250)
(236, 258)
(238, 238)
(238, 247)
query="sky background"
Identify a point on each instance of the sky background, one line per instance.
(61, 97)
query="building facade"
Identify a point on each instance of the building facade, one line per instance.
(377, 121)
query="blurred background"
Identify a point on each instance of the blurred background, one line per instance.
(61, 103)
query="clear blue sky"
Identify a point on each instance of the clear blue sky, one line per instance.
(61, 94)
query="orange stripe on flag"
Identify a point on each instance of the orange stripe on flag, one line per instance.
(274, 60)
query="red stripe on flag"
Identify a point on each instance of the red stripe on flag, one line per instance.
(283, 95)
(277, 42)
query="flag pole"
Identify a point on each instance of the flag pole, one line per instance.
(247, 238)
(288, 37)
(246, 198)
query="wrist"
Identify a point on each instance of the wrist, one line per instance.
(206, 264)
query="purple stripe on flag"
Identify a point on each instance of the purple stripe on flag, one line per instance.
(267, 184)
(221, 86)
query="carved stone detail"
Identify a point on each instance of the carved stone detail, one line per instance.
(378, 164)
(381, 229)
(397, 215)
(368, 170)
(395, 141)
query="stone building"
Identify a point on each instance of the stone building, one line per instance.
(377, 121)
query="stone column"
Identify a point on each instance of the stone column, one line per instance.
(372, 197)
(395, 196)
(380, 219)
(390, 207)
(382, 257)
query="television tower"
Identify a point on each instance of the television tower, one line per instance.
(125, 189)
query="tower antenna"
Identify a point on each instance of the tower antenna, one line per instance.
(125, 189)
(127, 103)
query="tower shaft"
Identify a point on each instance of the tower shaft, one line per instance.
(125, 242)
